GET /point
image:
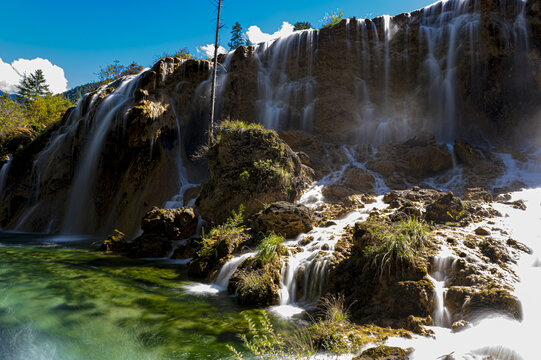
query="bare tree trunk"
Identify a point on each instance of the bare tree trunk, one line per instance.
(213, 88)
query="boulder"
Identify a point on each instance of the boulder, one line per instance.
(358, 179)
(252, 166)
(150, 246)
(174, 224)
(447, 208)
(467, 154)
(383, 353)
(283, 218)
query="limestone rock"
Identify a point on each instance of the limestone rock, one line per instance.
(447, 208)
(250, 166)
(358, 179)
(174, 224)
(383, 353)
(283, 218)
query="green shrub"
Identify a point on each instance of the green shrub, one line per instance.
(269, 248)
(240, 125)
(332, 18)
(395, 245)
(232, 231)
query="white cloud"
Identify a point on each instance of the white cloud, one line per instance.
(11, 74)
(209, 50)
(257, 36)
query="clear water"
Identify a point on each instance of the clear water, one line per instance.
(61, 301)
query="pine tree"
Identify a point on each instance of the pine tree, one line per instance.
(236, 37)
(32, 87)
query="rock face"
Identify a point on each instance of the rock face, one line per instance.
(128, 146)
(283, 218)
(249, 166)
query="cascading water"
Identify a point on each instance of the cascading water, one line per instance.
(443, 264)
(80, 201)
(287, 93)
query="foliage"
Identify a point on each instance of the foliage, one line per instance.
(266, 344)
(396, 245)
(269, 248)
(268, 169)
(181, 53)
(237, 38)
(12, 114)
(240, 125)
(32, 87)
(302, 25)
(36, 114)
(332, 18)
(77, 92)
(46, 110)
(116, 70)
(232, 231)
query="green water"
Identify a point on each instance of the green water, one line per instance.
(61, 302)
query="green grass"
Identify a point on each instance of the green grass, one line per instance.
(240, 125)
(269, 247)
(396, 245)
(232, 231)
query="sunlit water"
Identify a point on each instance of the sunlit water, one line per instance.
(60, 303)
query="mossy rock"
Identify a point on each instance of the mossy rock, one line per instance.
(383, 353)
(252, 166)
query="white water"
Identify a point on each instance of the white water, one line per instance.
(80, 202)
(443, 264)
(287, 95)
(4, 171)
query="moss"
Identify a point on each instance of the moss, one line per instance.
(240, 125)
(383, 353)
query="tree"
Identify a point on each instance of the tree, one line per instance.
(302, 25)
(11, 114)
(237, 38)
(182, 53)
(47, 110)
(115, 70)
(214, 69)
(32, 87)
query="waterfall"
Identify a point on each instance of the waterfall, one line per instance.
(80, 202)
(4, 171)
(287, 93)
(229, 268)
(443, 265)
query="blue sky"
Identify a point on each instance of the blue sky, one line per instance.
(82, 36)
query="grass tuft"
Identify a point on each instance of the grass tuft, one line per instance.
(269, 248)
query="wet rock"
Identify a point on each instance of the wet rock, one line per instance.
(174, 224)
(494, 250)
(252, 166)
(518, 204)
(494, 300)
(336, 193)
(417, 325)
(468, 154)
(384, 167)
(519, 246)
(383, 353)
(447, 208)
(150, 246)
(358, 179)
(116, 242)
(283, 218)
(429, 160)
(482, 231)
(460, 325)
(478, 194)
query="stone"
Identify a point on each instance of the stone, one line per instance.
(252, 166)
(467, 154)
(150, 246)
(384, 167)
(383, 353)
(447, 208)
(174, 224)
(358, 179)
(482, 231)
(283, 218)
